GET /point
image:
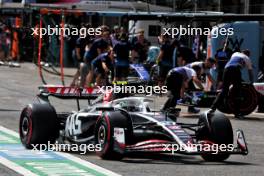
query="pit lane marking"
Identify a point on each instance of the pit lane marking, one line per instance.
(17, 168)
(32, 163)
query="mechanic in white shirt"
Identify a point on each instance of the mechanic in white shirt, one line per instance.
(177, 80)
(232, 75)
(205, 68)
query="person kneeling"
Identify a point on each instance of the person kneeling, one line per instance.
(177, 81)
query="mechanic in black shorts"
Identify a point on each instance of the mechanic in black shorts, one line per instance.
(205, 70)
(121, 52)
(232, 75)
(177, 81)
(102, 66)
(222, 57)
(165, 59)
(81, 43)
(140, 47)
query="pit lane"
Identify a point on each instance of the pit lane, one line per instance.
(18, 87)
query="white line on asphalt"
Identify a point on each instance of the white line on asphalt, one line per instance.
(11, 132)
(15, 167)
(24, 171)
(86, 163)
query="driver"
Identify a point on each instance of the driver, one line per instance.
(177, 81)
(232, 75)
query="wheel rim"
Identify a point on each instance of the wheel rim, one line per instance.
(102, 134)
(25, 126)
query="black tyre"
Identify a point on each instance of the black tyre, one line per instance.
(261, 103)
(38, 125)
(220, 132)
(248, 100)
(104, 134)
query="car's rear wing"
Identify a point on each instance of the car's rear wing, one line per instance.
(63, 92)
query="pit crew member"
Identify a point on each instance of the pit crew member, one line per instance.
(165, 59)
(121, 51)
(177, 81)
(232, 75)
(103, 65)
(205, 68)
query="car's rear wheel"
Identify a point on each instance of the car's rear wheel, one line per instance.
(104, 134)
(218, 132)
(38, 125)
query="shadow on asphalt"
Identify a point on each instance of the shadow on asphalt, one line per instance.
(10, 110)
(148, 158)
(252, 119)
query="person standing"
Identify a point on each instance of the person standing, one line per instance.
(79, 53)
(165, 59)
(121, 52)
(222, 57)
(140, 46)
(232, 76)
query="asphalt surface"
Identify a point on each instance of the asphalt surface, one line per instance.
(18, 87)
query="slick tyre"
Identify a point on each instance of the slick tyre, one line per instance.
(38, 125)
(248, 100)
(104, 134)
(219, 132)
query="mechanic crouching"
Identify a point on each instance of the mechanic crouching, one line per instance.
(103, 66)
(232, 75)
(177, 81)
(205, 70)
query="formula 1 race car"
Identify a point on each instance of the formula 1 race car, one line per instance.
(125, 125)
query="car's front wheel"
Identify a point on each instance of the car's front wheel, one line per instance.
(218, 131)
(109, 128)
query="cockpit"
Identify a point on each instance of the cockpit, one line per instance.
(134, 104)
